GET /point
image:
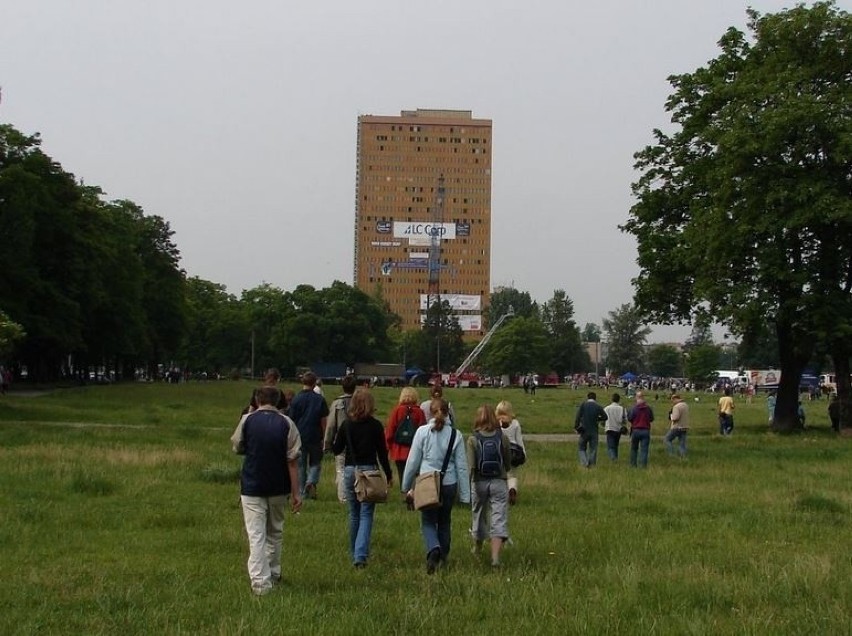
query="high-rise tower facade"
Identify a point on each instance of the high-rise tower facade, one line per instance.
(423, 212)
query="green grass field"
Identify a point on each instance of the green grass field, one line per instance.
(119, 514)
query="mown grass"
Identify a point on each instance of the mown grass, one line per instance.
(120, 514)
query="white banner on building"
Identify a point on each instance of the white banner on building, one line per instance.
(467, 323)
(470, 323)
(458, 302)
(421, 234)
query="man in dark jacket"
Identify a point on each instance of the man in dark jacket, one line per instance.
(640, 418)
(586, 425)
(271, 445)
(310, 412)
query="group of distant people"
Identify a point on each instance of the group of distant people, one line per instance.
(479, 469)
(616, 418)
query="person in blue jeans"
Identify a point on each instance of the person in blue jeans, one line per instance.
(679, 418)
(361, 438)
(431, 444)
(640, 418)
(589, 414)
(310, 413)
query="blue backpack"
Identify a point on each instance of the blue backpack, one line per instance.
(490, 456)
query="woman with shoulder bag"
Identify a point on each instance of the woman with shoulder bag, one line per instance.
(362, 437)
(435, 446)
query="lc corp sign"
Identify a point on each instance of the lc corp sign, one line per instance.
(420, 231)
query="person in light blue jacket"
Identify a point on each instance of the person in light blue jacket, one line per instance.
(428, 449)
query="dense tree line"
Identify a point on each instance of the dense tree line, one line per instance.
(94, 286)
(92, 283)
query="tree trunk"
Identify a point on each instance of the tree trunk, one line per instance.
(840, 358)
(794, 353)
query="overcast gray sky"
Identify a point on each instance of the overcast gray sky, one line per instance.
(236, 121)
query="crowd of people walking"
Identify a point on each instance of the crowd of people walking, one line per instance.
(283, 443)
(283, 439)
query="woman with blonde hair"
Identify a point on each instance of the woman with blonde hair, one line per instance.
(432, 444)
(489, 459)
(512, 428)
(402, 423)
(362, 438)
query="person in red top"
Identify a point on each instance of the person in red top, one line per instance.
(407, 407)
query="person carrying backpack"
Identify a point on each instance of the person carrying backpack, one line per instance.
(402, 423)
(336, 417)
(489, 459)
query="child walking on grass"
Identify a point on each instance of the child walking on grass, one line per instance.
(512, 428)
(488, 458)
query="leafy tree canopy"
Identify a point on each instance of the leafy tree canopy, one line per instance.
(745, 209)
(508, 297)
(626, 333)
(665, 361)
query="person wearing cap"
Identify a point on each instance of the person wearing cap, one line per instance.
(679, 417)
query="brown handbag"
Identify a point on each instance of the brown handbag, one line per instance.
(370, 486)
(427, 486)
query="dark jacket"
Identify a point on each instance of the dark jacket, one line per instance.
(368, 444)
(641, 416)
(588, 416)
(265, 438)
(307, 410)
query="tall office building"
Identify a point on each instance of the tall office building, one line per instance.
(411, 243)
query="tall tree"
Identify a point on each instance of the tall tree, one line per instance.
(567, 352)
(521, 346)
(625, 333)
(745, 208)
(664, 361)
(521, 303)
(701, 364)
(701, 334)
(591, 332)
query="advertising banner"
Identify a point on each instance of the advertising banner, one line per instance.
(467, 323)
(458, 302)
(420, 233)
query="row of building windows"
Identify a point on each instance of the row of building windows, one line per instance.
(414, 189)
(376, 208)
(390, 198)
(371, 256)
(377, 162)
(467, 168)
(441, 140)
(475, 151)
(433, 127)
(388, 180)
